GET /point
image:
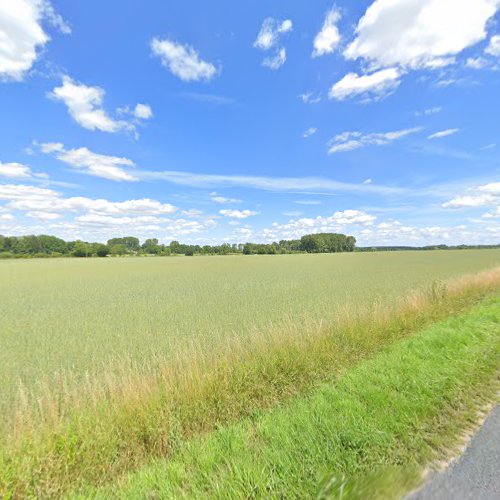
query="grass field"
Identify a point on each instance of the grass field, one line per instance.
(370, 436)
(108, 364)
(83, 315)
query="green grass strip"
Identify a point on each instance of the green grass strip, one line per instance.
(374, 431)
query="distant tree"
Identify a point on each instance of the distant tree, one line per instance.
(118, 249)
(131, 243)
(82, 249)
(101, 250)
(151, 246)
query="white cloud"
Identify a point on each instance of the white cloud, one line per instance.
(309, 98)
(295, 228)
(374, 85)
(419, 33)
(368, 181)
(487, 194)
(348, 141)
(43, 216)
(22, 35)
(13, 192)
(270, 33)
(6, 217)
(308, 202)
(84, 104)
(444, 133)
(182, 61)
(469, 201)
(14, 171)
(269, 37)
(327, 40)
(429, 111)
(301, 184)
(494, 46)
(82, 159)
(217, 198)
(275, 61)
(238, 214)
(97, 219)
(37, 200)
(495, 214)
(143, 111)
(310, 131)
(477, 62)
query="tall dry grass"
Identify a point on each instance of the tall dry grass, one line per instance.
(66, 434)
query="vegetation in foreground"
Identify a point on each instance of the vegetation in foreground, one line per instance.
(369, 436)
(121, 422)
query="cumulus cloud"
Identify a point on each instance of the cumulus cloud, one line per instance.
(349, 141)
(22, 35)
(327, 40)
(493, 48)
(217, 198)
(96, 218)
(143, 111)
(419, 33)
(82, 159)
(375, 85)
(182, 61)
(337, 222)
(269, 37)
(35, 199)
(394, 37)
(85, 106)
(480, 196)
(444, 133)
(238, 214)
(393, 232)
(270, 33)
(15, 171)
(477, 63)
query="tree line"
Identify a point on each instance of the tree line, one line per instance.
(51, 246)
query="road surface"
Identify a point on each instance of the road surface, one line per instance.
(475, 475)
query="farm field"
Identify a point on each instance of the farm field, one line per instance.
(84, 315)
(110, 364)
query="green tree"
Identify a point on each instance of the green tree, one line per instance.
(118, 249)
(101, 250)
(82, 249)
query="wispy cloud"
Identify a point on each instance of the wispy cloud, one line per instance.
(443, 133)
(349, 141)
(208, 98)
(309, 132)
(283, 184)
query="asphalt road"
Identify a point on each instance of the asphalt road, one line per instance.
(476, 474)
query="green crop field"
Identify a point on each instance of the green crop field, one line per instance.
(80, 315)
(108, 364)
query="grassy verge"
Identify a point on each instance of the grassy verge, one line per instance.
(371, 434)
(118, 423)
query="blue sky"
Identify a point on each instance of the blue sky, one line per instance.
(204, 122)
